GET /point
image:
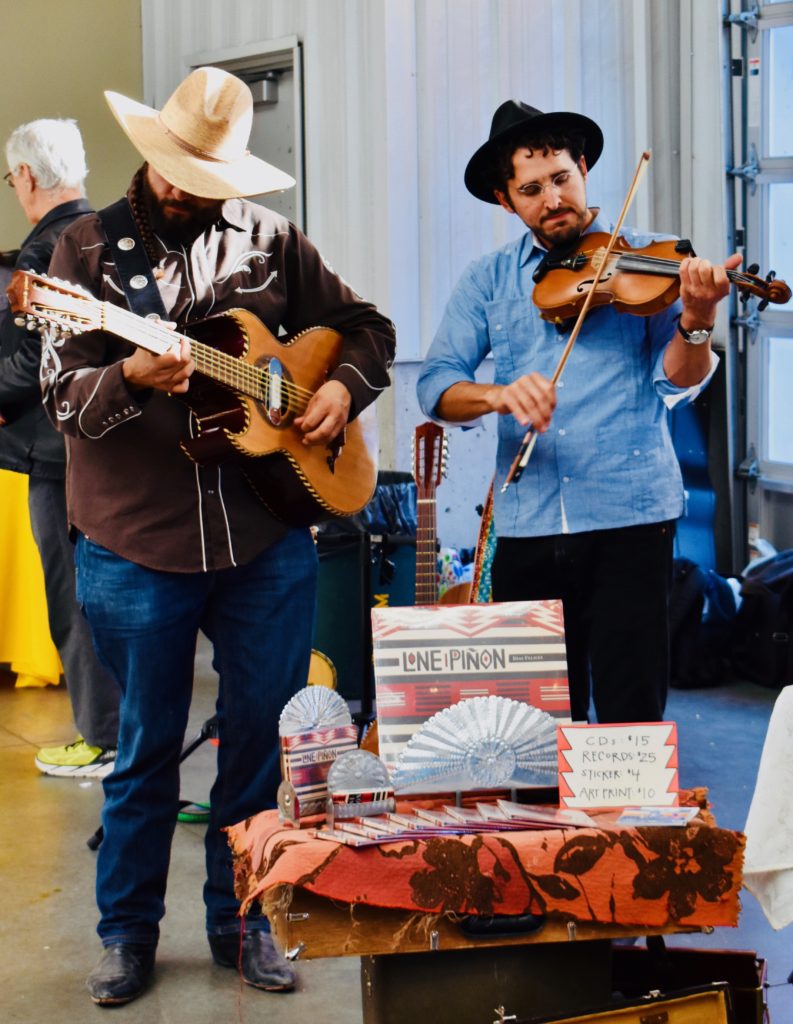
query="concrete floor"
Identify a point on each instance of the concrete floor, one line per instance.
(48, 915)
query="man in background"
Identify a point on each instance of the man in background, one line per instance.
(47, 169)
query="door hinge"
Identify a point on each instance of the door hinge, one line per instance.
(749, 469)
(746, 20)
(750, 321)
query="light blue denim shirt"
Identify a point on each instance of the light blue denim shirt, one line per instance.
(607, 459)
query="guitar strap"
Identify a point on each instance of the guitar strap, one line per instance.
(132, 260)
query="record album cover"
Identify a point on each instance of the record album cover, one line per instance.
(429, 658)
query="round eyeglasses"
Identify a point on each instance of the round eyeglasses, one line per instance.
(535, 190)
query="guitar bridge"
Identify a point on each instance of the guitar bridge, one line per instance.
(335, 448)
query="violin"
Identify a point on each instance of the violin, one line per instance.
(640, 281)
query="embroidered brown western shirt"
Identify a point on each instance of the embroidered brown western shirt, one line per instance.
(129, 486)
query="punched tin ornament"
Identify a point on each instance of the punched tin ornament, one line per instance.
(359, 784)
(313, 707)
(481, 743)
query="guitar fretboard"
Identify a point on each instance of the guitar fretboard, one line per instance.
(426, 557)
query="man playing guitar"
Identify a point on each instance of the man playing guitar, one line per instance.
(167, 546)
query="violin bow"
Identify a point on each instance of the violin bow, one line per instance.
(520, 461)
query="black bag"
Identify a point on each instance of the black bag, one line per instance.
(763, 645)
(702, 613)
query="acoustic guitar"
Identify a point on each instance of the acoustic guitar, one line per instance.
(247, 392)
(430, 448)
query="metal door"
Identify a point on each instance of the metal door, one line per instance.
(274, 71)
(762, 52)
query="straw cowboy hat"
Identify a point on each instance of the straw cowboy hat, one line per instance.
(198, 141)
(481, 175)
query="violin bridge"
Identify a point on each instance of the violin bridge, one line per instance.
(597, 259)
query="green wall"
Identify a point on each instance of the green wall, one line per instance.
(57, 59)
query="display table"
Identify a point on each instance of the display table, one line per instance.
(25, 642)
(423, 896)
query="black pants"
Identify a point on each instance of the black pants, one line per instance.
(94, 694)
(614, 586)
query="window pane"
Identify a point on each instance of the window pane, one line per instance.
(780, 408)
(780, 242)
(780, 92)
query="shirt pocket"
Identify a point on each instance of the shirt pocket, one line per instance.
(635, 471)
(520, 342)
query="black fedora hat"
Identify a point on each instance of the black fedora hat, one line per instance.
(514, 116)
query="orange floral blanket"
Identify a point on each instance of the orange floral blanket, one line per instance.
(647, 876)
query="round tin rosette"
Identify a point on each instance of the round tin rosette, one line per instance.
(358, 785)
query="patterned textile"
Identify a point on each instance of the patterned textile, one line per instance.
(647, 877)
(482, 585)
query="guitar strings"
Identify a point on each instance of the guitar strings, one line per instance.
(227, 369)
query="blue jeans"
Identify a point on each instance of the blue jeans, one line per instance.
(259, 619)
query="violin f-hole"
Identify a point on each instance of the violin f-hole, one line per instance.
(583, 286)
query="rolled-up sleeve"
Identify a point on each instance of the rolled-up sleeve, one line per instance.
(461, 342)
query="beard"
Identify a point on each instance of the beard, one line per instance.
(565, 234)
(178, 223)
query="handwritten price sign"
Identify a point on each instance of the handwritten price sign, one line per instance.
(618, 765)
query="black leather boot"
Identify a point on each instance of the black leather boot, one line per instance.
(121, 974)
(261, 965)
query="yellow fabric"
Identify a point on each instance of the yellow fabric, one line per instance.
(25, 641)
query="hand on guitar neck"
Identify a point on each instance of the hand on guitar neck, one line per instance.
(170, 371)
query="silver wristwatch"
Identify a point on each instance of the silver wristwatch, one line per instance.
(697, 337)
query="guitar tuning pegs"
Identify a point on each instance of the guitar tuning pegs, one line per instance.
(20, 321)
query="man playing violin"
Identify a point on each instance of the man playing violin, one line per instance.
(591, 517)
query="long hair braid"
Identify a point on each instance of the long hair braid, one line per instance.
(141, 216)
